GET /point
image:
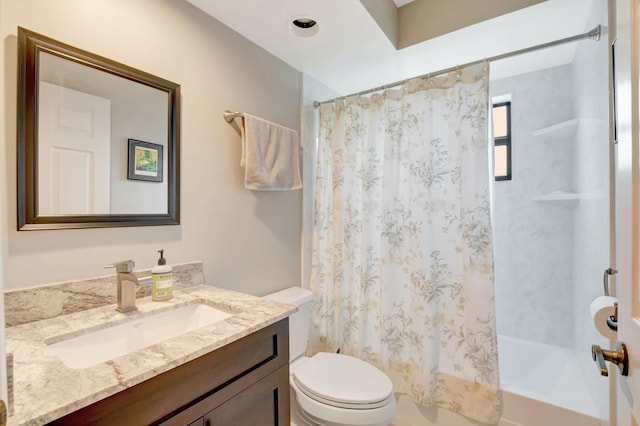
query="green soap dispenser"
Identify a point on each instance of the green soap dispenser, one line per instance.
(162, 274)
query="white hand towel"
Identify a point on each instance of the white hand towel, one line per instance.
(270, 156)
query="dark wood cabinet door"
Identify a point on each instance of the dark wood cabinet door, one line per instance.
(260, 404)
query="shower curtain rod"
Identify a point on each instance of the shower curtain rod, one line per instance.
(594, 34)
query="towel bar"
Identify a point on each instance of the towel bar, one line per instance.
(230, 115)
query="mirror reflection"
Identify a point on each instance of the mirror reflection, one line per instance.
(98, 142)
(86, 117)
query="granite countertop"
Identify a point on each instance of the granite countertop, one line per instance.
(46, 389)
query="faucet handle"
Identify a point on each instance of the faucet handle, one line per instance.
(123, 266)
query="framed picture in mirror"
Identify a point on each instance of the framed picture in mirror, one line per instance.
(145, 161)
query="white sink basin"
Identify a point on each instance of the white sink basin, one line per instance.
(108, 343)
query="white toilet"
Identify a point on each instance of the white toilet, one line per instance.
(331, 389)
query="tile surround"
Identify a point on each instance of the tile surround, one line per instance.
(550, 257)
(534, 239)
(591, 219)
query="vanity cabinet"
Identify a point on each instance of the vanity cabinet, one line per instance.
(243, 383)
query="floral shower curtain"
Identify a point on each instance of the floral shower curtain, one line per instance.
(402, 263)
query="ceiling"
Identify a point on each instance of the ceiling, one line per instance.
(350, 52)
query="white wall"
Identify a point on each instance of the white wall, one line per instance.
(312, 91)
(248, 241)
(131, 120)
(3, 364)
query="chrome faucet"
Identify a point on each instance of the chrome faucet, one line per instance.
(127, 284)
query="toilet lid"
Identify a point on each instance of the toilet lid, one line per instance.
(343, 381)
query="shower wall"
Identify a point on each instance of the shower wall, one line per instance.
(591, 180)
(533, 220)
(591, 177)
(552, 220)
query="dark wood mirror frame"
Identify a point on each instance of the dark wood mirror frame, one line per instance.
(30, 44)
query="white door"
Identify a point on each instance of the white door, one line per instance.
(4, 395)
(3, 360)
(74, 145)
(628, 208)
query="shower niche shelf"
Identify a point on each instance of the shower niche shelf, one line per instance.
(563, 130)
(568, 199)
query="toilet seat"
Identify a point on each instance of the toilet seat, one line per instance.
(343, 381)
(329, 390)
(323, 414)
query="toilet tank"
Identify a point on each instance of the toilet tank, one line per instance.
(300, 321)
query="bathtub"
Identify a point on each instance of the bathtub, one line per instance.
(543, 386)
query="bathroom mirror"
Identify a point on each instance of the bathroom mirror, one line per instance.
(98, 141)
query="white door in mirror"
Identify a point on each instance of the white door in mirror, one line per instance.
(74, 152)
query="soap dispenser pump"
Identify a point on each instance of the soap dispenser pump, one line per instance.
(162, 274)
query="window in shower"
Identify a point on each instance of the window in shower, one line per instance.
(502, 140)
